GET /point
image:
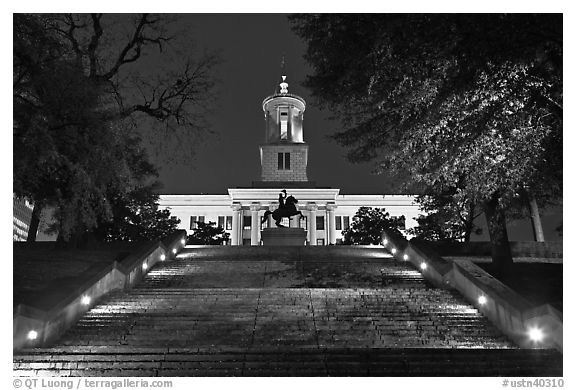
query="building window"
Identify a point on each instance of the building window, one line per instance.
(346, 222)
(319, 222)
(320, 241)
(228, 222)
(283, 161)
(304, 222)
(194, 219)
(284, 124)
(221, 222)
(247, 222)
(338, 222)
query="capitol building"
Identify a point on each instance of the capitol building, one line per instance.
(283, 160)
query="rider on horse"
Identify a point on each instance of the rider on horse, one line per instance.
(286, 208)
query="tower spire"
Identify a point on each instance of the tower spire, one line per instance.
(283, 84)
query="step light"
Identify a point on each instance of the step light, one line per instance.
(144, 266)
(535, 334)
(183, 241)
(174, 251)
(32, 335)
(162, 257)
(85, 300)
(482, 300)
(385, 242)
(393, 250)
(405, 257)
(423, 266)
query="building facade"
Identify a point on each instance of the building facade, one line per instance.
(21, 217)
(284, 161)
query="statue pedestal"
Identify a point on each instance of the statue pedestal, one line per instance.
(283, 237)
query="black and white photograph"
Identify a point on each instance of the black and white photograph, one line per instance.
(282, 193)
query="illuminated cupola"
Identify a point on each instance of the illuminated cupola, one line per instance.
(284, 155)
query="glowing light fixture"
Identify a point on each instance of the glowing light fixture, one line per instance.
(385, 242)
(32, 335)
(482, 300)
(393, 251)
(405, 257)
(144, 266)
(85, 300)
(423, 266)
(174, 251)
(535, 334)
(162, 257)
(183, 241)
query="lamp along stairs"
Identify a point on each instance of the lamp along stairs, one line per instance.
(278, 311)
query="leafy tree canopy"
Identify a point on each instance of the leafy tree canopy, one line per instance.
(137, 218)
(367, 226)
(446, 218)
(207, 233)
(81, 93)
(445, 98)
(466, 101)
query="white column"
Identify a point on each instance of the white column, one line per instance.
(236, 230)
(331, 223)
(255, 225)
(313, 208)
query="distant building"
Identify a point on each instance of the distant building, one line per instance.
(283, 160)
(21, 217)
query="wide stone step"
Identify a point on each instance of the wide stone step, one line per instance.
(126, 361)
(311, 312)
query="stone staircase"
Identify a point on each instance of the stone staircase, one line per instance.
(285, 312)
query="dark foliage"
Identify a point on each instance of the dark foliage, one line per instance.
(137, 218)
(368, 224)
(207, 233)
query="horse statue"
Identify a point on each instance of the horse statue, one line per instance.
(289, 210)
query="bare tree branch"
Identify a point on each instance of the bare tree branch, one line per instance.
(94, 41)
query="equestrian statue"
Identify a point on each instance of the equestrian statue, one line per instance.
(286, 208)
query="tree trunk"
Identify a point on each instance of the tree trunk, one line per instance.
(469, 222)
(34, 222)
(501, 254)
(535, 218)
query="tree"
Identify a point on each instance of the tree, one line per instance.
(443, 99)
(80, 101)
(137, 218)
(446, 218)
(207, 233)
(367, 226)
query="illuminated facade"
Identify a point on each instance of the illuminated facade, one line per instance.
(21, 217)
(283, 159)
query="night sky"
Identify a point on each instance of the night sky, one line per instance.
(252, 47)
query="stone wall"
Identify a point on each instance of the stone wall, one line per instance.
(51, 323)
(298, 162)
(506, 309)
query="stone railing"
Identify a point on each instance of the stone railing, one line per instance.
(507, 310)
(33, 327)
